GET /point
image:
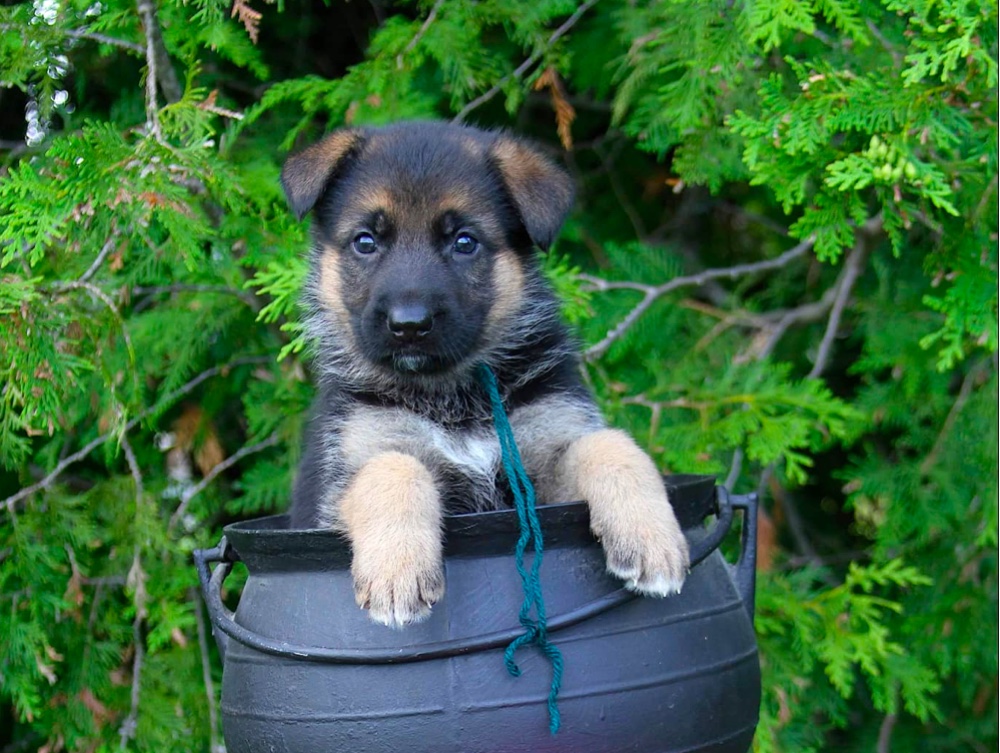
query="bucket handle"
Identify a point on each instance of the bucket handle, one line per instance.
(224, 625)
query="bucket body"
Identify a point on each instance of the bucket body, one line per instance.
(305, 669)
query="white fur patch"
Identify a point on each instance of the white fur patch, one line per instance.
(371, 431)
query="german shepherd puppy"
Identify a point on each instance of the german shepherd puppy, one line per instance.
(424, 265)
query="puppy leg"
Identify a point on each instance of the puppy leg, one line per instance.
(629, 511)
(392, 513)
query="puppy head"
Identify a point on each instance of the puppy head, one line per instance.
(423, 240)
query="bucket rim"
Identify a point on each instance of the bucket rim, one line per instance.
(692, 497)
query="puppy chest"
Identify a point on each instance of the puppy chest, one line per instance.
(472, 454)
(446, 452)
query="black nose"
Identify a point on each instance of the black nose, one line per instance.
(409, 322)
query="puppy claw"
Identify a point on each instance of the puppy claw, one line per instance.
(399, 598)
(658, 586)
(653, 563)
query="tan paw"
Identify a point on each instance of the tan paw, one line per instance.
(393, 515)
(629, 511)
(651, 557)
(398, 589)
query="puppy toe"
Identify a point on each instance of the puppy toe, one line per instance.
(398, 596)
(651, 559)
(623, 563)
(665, 565)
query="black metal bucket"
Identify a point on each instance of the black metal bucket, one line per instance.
(305, 671)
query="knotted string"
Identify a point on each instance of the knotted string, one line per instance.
(535, 629)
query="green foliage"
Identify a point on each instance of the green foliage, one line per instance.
(150, 329)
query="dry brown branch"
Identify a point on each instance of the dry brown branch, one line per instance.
(249, 17)
(565, 113)
(651, 293)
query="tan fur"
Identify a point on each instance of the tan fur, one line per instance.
(392, 515)
(543, 430)
(629, 511)
(508, 284)
(454, 202)
(305, 174)
(330, 286)
(529, 175)
(471, 146)
(372, 199)
(366, 201)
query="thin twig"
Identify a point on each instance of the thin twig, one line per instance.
(133, 467)
(851, 272)
(85, 34)
(162, 404)
(91, 621)
(137, 579)
(758, 219)
(146, 11)
(105, 39)
(105, 250)
(960, 400)
(165, 74)
(885, 733)
(518, 72)
(206, 675)
(420, 33)
(638, 226)
(653, 292)
(249, 298)
(190, 493)
(63, 465)
(734, 469)
(897, 58)
(106, 300)
(807, 312)
(792, 518)
(127, 730)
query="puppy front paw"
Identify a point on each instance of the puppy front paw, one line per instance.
(651, 557)
(392, 514)
(398, 586)
(629, 511)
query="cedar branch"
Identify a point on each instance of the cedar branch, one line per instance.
(189, 494)
(518, 72)
(80, 454)
(420, 33)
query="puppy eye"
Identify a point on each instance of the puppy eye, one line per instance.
(364, 243)
(466, 244)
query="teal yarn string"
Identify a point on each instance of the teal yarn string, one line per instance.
(535, 629)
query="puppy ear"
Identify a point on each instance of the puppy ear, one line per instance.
(542, 191)
(307, 173)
